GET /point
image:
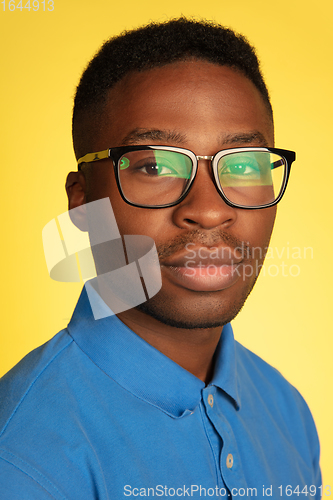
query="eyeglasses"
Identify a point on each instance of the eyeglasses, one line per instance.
(161, 176)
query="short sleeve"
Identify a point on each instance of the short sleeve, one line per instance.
(18, 484)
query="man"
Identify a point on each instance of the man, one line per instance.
(172, 123)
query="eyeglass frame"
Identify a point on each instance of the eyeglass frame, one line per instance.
(116, 153)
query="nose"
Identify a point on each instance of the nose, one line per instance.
(203, 207)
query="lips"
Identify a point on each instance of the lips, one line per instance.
(204, 269)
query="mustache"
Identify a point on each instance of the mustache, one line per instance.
(200, 237)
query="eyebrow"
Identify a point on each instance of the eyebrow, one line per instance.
(244, 138)
(171, 136)
(141, 134)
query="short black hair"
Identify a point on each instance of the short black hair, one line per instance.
(151, 46)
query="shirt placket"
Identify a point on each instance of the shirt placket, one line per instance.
(223, 442)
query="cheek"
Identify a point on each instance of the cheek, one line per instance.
(130, 220)
(261, 228)
(134, 220)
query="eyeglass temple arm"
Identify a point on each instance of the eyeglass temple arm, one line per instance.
(100, 155)
(277, 163)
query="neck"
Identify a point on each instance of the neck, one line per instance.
(192, 349)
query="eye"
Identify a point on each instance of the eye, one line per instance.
(156, 164)
(151, 166)
(240, 167)
(156, 168)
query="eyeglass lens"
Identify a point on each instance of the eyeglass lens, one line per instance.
(160, 177)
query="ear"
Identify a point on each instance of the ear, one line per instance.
(76, 192)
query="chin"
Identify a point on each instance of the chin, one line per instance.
(210, 312)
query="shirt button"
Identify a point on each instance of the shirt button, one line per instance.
(230, 461)
(210, 400)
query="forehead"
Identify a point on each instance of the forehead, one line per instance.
(195, 100)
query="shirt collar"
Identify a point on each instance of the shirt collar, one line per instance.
(225, 372)
(142, 369)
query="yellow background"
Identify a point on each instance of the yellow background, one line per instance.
(287, 319)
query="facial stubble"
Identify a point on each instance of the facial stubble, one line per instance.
(201, 310)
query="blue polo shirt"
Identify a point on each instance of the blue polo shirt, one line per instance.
(97, 413)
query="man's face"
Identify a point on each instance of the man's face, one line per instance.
(205, 108)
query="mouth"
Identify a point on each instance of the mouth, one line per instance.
(204, 270)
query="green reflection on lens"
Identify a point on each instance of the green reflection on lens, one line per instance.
(172, 164)
(245, 169)
(124, 163)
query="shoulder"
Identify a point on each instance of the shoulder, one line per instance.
(263, 387)
(266, 380)
(255, 371)
(17, 384)
(24, 393)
